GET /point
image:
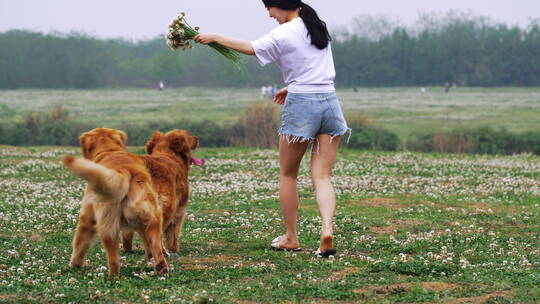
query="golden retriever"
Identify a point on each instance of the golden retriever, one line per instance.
(169, 160)
(119, 196)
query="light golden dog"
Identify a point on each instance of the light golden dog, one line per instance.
(119, 196)
(169, 160)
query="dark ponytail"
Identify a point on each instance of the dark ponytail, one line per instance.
(320, 37)
(317, 30)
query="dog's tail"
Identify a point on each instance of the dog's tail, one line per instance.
(104, 180)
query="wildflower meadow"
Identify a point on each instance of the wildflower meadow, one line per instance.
(410, 227)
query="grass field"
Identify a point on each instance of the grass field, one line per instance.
(421, 228)
(399, 110)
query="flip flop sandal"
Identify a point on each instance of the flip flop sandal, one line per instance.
(275, 246)
(327, 253)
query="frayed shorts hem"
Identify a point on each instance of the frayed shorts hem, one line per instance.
(291, 138)
(332, 136)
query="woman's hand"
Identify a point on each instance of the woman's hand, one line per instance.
(280, 96)
(206, 38)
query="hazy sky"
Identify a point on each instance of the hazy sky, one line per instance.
(248, 19)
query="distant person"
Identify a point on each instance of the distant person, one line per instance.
(311, 111)
(355, 90)
(161, 85)
(265, 92)
(454, 84)
(447, 87)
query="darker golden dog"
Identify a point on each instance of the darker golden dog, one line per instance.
(119, 196)
(169, 160)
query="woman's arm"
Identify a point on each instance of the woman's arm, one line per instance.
(242, 46)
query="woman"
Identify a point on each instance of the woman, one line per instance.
(300, 46)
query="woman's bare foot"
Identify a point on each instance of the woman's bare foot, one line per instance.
(326, 249)
(327, 242)
(284, 243)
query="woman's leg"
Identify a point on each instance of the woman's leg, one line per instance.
(322, 161)
(290, 156)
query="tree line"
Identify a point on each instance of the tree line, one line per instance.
(373, 51)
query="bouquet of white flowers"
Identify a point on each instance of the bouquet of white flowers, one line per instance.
(181, 33)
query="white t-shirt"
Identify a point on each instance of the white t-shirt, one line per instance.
(305, 68)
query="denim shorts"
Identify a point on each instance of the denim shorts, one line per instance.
(306, 115)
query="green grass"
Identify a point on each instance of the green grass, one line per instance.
(399, 110)
(409, 227)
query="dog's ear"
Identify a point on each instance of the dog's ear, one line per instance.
(152, 142)
(120, 137)
(86, 145)
(194, 142)
(82, 139)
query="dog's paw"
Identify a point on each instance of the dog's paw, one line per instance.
(75, 262)
(172, 248)
(162, 268)
(76, 265)
(128, 248)
(166, 253)
(113, 274)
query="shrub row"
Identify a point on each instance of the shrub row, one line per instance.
(482, 140)
(67, 132)
(366, 137)
(257, 127)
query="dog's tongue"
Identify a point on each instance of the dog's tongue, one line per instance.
(197, 161)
